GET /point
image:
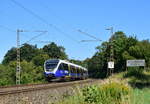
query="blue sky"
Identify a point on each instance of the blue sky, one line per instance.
(91, 16)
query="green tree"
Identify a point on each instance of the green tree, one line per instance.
(31, 73)
(55, 51)
(141, 51)
(7, 75)
(10, 56)
(97, 65)
(40, 59)
(27, 52)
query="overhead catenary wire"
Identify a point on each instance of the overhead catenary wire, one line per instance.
(6, 28)
(89, 41)
(43, 20)
(41, 41)
(11, 30)
(60, 18)
(36, 36)
(96, 39)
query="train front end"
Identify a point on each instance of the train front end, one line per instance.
(50, 67)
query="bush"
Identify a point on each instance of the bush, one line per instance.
(135, 72)
(91, 94)
(115, 92)
(112, 93)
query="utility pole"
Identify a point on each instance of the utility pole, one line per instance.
(18, 68)
(18, 58)
(111, 57)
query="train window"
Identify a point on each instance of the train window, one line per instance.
(74, 69)
(71, 69)
(77, 70)
(50, 65)
(61, 67)
(81, 71)
(65, 66)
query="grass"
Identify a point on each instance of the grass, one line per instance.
(132, 87)
(138, 78)
(109, 93)
(141, 96)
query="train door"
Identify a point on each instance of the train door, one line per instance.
(73, 72)
(66, 69)
(60, 71)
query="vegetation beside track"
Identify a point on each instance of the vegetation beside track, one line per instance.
(121, 88)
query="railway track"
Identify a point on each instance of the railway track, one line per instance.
(33, 87)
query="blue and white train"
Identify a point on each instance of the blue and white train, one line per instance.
(61, 69)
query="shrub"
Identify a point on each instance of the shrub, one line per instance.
(91, 94)
(111, 93)
(115, 92)
(135, 72)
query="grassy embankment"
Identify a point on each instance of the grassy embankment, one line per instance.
(132, 87)
(139, 80)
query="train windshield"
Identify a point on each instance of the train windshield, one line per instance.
(51, 64)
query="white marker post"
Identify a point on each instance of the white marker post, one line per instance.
(111, 66)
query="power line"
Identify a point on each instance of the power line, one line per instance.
(57, 16)
(43, 41)
(43, 20)
(89, 35)
(43, 32)
(89, 41)
(6, 28)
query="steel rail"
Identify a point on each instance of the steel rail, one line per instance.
(34, 87)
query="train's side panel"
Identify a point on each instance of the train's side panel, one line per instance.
(61, 73)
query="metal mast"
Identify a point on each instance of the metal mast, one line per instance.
(18, 68)
(18, 58)
(111, 58)
(111, 50)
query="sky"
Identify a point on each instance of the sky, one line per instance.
(63, 18)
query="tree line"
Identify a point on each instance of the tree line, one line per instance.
(124, 48)
(32, 58)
